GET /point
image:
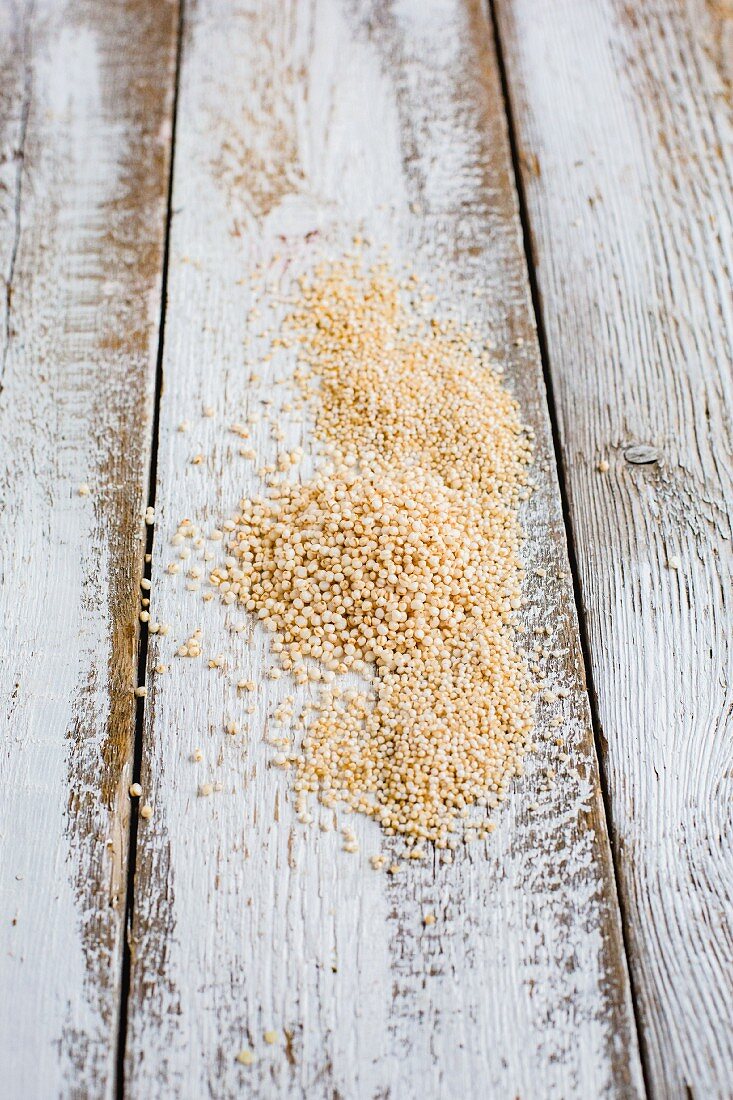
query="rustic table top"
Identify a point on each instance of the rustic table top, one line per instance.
(567, 165)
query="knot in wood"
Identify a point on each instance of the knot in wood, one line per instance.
(642, 454)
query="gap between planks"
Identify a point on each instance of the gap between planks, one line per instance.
(145, 570)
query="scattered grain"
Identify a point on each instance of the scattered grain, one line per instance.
(399, 560)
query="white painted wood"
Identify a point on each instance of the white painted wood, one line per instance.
(297, 124)
(84, 139)
(623, 116)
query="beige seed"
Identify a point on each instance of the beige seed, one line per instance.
(398, 560)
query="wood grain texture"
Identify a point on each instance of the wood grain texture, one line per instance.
(623, 117)
(84, 140)
(298, 124)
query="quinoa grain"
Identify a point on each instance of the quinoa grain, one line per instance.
(398, 560)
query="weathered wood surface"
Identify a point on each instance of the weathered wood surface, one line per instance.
(325, 115)
(623, 118)
(84, 146)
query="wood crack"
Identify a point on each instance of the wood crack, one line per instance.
(19, 156)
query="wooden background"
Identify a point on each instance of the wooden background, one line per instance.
(567, 166)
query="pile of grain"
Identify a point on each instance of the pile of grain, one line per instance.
(399, 561)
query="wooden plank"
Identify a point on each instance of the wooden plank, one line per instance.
(623, 119)
(85, 135)
(297, 124)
